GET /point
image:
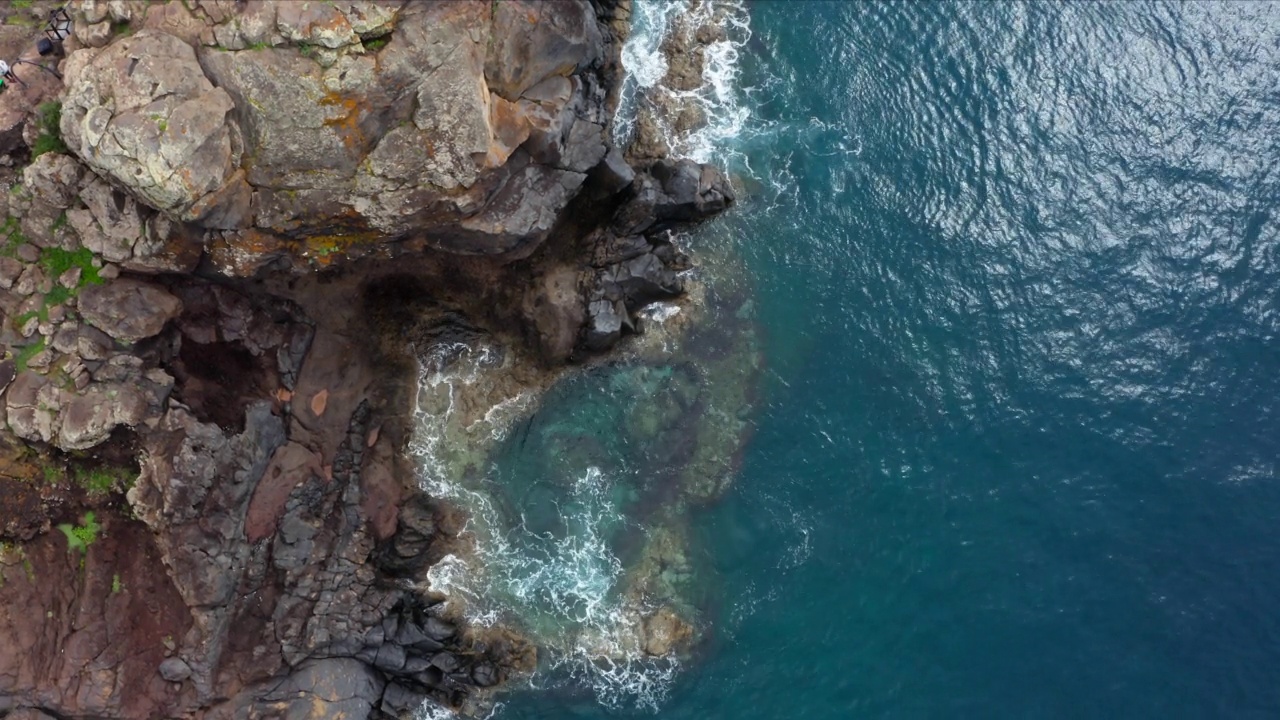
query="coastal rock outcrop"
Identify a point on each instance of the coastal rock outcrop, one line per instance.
(215, 285)
(469, 124)
(142, 113)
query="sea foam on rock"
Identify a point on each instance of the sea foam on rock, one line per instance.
(266, 209)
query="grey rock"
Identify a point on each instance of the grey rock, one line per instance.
(691, 192)
(411, 635)
(415, 665)
(70, 279)
(438, 629)
(398, 700)
(128, 310)
(534, 39)
(94, 11)
(112, 223)
(10, 270)
(446, 661)
(119, 11)
(175, 669)
(645, 279)
(526, 208)
(334, 688)
(89, 417)
(28, 253)
(613, 173)
(94, 35)
(638, 214)
(54, 178)
(604, 323)
(389, 658)
(142, 113)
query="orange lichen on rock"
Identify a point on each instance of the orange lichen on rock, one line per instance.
(346, 124)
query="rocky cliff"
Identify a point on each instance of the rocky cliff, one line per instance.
(231, 227)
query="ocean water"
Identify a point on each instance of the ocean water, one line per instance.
(1015, 274)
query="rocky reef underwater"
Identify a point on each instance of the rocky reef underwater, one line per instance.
(354, 362)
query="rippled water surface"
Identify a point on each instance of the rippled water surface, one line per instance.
(1017, 268)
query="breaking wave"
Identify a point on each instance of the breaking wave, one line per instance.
(562, 588)
(718, 97)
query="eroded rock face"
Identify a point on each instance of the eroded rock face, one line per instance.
(142, 113)
(474, 126)
(461, 145)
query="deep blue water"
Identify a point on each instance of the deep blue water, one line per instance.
(1017, 269)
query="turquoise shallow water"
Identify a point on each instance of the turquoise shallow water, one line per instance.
(1017, 272)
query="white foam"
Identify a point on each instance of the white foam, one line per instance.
(719, 96)
(564, 591)
(659, 312)
(642, 58)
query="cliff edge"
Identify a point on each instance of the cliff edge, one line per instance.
(231, 226)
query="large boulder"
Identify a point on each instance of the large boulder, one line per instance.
(473, 127)
(142, 113)
(128, 310)
(537, 39)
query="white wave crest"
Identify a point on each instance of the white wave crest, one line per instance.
(718, 96)
(564, 590)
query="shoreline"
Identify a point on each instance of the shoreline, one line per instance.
(248, 435)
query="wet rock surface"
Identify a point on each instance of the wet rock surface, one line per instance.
(212, 306)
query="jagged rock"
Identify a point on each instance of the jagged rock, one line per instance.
(614, 174)
(410, 635)
(142, 112)
(389, 657)
(315, 23)
(406, 551)
(398, 700)
(536, 39)
(605, 321)
(94, 11)
(437, 629)
(31, 405)
(446, 661)
(119, 11)
(128, 310)
(94, 35)
(111, 224)
(10, 270)
(691, 191)
(272, 520)
(642, 280)
(54, 179)
(70, 279)
(89, 417)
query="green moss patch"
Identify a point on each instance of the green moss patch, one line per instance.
(80, 537)
(50, 138)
